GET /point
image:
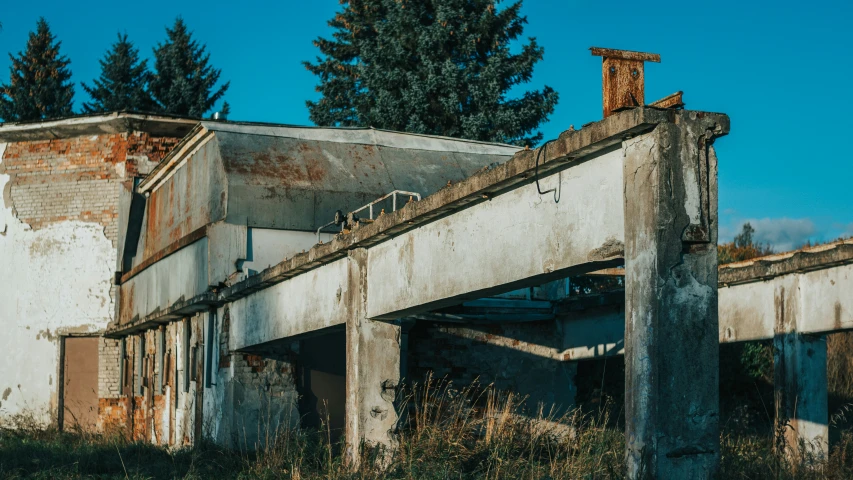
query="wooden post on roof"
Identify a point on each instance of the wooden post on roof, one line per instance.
(622, 77)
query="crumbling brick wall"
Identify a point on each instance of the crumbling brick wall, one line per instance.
(263, 395)
(109, 376)
(77, 178)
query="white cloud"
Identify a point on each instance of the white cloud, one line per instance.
(782, 234)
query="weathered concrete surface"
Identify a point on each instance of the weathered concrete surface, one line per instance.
(671, 350)
(270, 247)
(38, 303)
(573, 149)
(373, 368)
(250, 398)
(181, 275)
(820, 278)
(518, 236)
(224, 181)
(308, 302)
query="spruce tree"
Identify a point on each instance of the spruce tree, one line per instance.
(39, 85)
(184, 82)
(441, 67)
(123, 81)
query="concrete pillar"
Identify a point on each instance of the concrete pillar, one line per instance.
(801, 396)
(671, 328)
(373, 368)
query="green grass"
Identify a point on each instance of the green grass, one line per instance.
(447, 434)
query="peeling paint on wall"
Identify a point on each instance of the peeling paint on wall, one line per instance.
(59, 279)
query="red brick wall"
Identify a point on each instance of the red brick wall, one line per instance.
(112, 415)
(77, 178)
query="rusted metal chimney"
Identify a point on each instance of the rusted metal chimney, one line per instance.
(622, 77)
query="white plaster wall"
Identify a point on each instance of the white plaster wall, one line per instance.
(827, 299)
(54, 281)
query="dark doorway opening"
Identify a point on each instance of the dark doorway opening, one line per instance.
(322, 382)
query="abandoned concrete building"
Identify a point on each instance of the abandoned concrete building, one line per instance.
(181, 278)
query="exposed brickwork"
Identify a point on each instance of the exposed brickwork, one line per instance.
(77, 178)
(224, 333)
(140, 419)
(112, 414)
(109, 376)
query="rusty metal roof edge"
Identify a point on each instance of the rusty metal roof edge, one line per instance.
(365, 136)
(99, 123)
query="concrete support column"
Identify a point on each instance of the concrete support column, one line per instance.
(801, 394)
(373, 368)
(671, 328)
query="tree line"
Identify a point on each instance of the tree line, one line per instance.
(439, 67)
(182, 82)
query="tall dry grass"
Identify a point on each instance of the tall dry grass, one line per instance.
(444, 433)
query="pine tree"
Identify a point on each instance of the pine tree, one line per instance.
(184, 82)
(39, 85)
(123, 82)
(439, 67)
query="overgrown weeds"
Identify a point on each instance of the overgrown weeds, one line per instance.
(444, 433)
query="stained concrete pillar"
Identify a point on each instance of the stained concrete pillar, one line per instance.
(801, 395)
(671, 328)
(373, 368)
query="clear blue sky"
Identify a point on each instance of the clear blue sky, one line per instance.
(782, 72)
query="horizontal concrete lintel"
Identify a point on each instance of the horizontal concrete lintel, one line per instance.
(747, 311)
(502, 288)
(809, 259)
(176, 311)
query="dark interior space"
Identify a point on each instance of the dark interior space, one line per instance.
(321, 382)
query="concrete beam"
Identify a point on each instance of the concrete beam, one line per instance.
(373, 369)
(308, 302)
(671, 350)
(594, 326)
(516, 239)
(174, 279)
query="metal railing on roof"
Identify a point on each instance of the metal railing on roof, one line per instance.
(341, 219)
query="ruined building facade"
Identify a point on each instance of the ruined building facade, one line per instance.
(59, 224)
(89, 253)
(178, 279)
